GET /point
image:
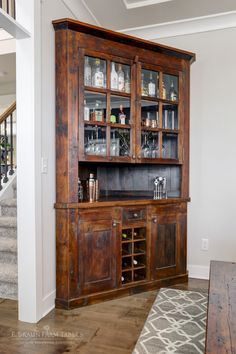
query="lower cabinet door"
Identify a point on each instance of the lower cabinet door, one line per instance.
(97, 256)
(168, 251)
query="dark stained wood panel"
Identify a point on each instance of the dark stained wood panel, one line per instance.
(166, 245)
(221, 320)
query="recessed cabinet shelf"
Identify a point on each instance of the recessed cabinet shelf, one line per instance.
(133, 246)
(122, 130)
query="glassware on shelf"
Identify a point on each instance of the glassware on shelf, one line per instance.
(95, 140)
(114, 77)
(121, 78)
(87, 72)
(144, 91)
(80, 191)
(171, 84)
(150, 148)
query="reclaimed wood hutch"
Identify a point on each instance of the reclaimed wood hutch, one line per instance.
(122, 113)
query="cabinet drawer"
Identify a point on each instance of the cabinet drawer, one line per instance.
(134, 214)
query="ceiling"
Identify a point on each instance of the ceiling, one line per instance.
(126, 14)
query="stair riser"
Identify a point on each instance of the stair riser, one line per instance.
(8, 258)
(8, 211)
(8, 291)
(8, 232)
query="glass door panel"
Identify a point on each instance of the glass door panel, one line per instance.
(95, 140)
(120, 77)
(170, 117)
(150, 144)
(95, 106)
(95, 74)
(170, 146)
(149, 114)
(170, 87)
(150, 83)
(120, 142)
(120, 110)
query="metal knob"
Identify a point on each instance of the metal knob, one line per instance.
(114, 224)
(133, 156)
(139, 157)
(135, 215)
(154, 220)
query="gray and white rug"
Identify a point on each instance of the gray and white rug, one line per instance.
(175, 324)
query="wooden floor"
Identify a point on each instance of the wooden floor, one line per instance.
(111, 327)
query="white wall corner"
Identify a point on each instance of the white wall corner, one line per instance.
(198, 271)
(185, 26)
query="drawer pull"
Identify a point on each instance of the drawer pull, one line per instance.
(154, 220)
(135, 215)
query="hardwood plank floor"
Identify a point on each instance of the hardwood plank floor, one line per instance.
(111, 327)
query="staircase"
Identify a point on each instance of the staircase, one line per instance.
(8, 248)
(8, 234)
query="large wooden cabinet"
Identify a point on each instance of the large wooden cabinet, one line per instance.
(122, 113)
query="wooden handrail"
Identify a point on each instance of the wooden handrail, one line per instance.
(8, 112)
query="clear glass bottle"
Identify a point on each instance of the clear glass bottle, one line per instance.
(172, 93)
(86, 112)
(122, 116)
(87, 72)
(121, 78)
(98, 112)
(127, 82)
(114, 77)
(163, 90)
(98, 77)
(151, 87)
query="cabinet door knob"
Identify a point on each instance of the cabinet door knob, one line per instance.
(114, 224)
(154, 220)
(139, 157)
(135, 215)
(133, 156)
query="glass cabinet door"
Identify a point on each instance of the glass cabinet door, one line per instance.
(158, 117)
(106, 110)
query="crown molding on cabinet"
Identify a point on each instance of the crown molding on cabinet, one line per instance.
(135, 4)
(183, 27)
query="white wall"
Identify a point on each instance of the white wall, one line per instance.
(36, 139)
(213, 147)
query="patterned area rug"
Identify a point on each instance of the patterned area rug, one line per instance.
(175, 324)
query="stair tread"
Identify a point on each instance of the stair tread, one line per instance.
(11, 202)
(8, 244)
(8, 273)
(8, 221)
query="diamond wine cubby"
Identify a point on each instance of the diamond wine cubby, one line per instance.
(133, 245)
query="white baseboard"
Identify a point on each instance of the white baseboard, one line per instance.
(48, 303)
(198, 272)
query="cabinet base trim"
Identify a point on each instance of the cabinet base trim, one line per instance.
(124, 291)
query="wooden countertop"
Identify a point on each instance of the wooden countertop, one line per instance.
(120, 203)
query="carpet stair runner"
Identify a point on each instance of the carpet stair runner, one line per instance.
(8, 248)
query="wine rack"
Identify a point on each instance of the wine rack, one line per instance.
(133, 250)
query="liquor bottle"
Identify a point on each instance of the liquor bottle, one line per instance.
(163, 90)
(121, 79)
(127, 82)
(172, 93)
(98, 77)
(114, 77)
(122, 116)
(151, 87)
(124, 235)
(143, 88)
(98, 112)
(86, 112)
(80, 191)
(87, 72)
